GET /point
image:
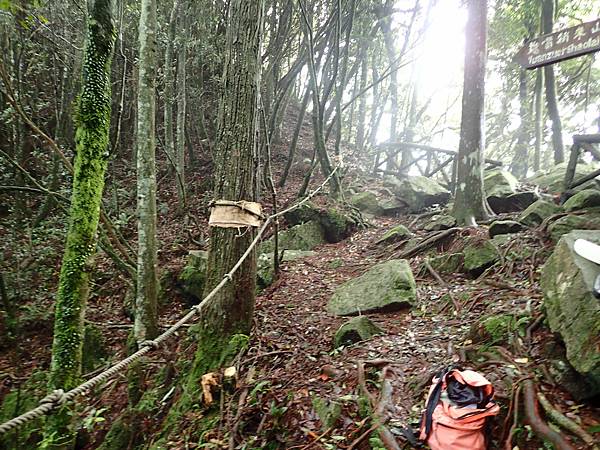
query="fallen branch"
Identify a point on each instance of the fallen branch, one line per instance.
(539, 427)
(428, 243)
(564, 422)
(515, 409)
(434, 274)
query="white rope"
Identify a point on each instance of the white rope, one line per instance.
(59, 398)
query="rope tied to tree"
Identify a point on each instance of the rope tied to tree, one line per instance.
(59, 398)
(235, 214)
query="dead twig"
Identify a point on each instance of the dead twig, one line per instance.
(514, 407)
(428, 242)
(433, 273)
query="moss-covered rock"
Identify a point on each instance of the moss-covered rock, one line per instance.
(336, 224)
(398, 233)
(498, 329)
(327, 411)
(571, 309)
(448, 263)
(19, 401)
(367, 202)
(388, 286)
(392, 206)
(588, 198)
(193, 275)
(512, 203)
(305, 236)
(479, 255)
(537, 212)
(265, 270)
(440, 222)
(499, 183)
(553, 180)
(499, 227)
(569, 223)
(420, 192)
(357, 329)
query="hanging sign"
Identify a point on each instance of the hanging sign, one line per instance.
(564, 44)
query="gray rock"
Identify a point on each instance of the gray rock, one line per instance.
(420, 192)
(448, 263)
(305, 236)
(357, 329)
(398, 233)
(553, 180)
(512, 203)
(537, 212)
(588, 198)
(367, 202)
(572, 222)
(440, 222)
(571, 309)
(336, 225)
(388, 286)
(505, 227)
(193, 276)
(479, 255)
(499, 183)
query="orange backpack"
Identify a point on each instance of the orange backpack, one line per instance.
(457, 408)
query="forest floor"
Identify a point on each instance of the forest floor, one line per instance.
(291, 370)
(292, 361)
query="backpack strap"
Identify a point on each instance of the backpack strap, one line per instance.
(432, 401)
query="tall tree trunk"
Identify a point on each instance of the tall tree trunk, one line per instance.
(181, 111)
(235, 159)
(92, 136)
(539, 107)
(145, 326)
(169, 88)
(520, 161)
(362, 104)
(469, 204)
(552, 101)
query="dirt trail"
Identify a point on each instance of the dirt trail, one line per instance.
(292, 345)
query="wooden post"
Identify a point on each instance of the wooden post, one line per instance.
(572, 166)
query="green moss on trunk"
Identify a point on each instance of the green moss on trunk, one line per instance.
(93, 121)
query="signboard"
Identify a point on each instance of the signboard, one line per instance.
(564, 44)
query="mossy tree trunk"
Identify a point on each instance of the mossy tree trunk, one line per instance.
(235, 160)
(469, 205)
(145, 326)
(169, 86)
(181, 111)
(520, 162)
(93, 122)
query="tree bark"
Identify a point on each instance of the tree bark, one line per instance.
(539, 106)
(145, 326)
(235, 160)
(469, 204)
(520, 161)
(92, 136)
(181, 111)
(169, 86)
(551, 100)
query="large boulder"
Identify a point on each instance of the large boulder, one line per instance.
(305, 236)
(537, 212)
(588, 198)
(335, 223)
(398, 233)
(420, 192)
(499, 227)
(447, 263)
(440, 222)
(388, 286)
(572, 222)
(193, 276)
(357, 329)
(499, 183)
(479, 254)
(512, 203)
(367, 202)
(571, 309)
(553, 180)
(264, 265)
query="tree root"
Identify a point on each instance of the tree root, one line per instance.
(532, 416)
(427, 243)
(379, 406)
(564, 422)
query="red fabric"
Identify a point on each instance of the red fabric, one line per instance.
(455, 428)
